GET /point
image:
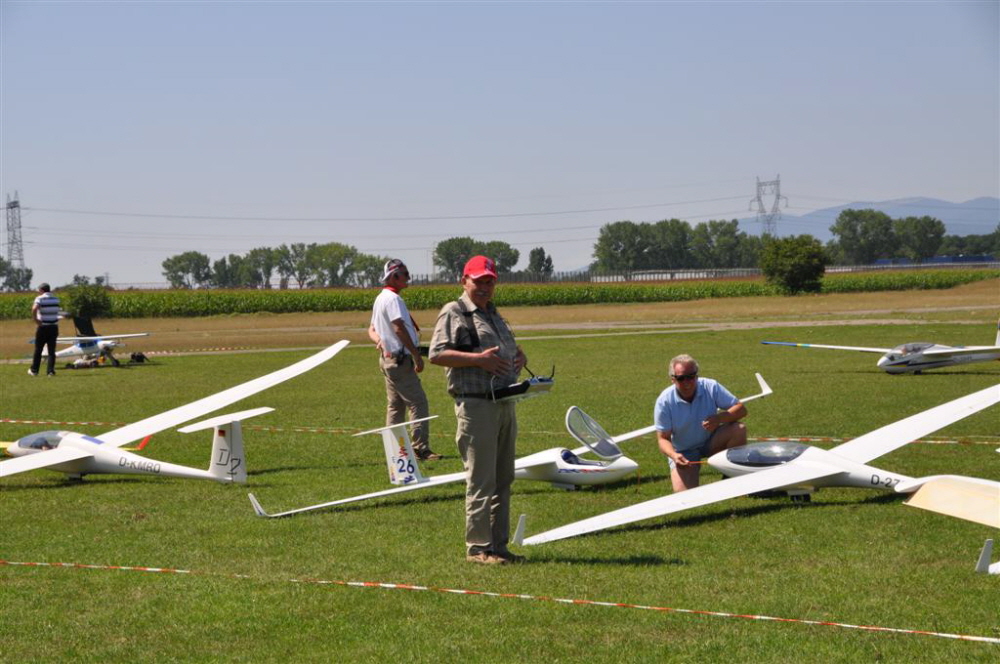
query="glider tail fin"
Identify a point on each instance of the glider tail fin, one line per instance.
(399, 456)
(228, 460)
(983, 566)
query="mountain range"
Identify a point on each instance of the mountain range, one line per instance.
(978, 216)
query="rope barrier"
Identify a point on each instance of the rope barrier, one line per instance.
(538, 598)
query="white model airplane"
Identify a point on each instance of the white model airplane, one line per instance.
(97, 348)
(917, 356)
(801, 469)
(77, 454)
(561, 467)
(89, 346)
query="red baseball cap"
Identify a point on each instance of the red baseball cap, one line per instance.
(480, 266)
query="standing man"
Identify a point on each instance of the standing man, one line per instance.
(695, 418)
(45, 313)
(478, 349)
(396, 336)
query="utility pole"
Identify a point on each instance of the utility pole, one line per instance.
(15, 248)
(765, 218)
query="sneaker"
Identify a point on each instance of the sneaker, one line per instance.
(485, 558)
(427, 455)
(51, 374)
(32, 373)
(509, 557)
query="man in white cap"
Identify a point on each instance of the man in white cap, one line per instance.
(396, 336)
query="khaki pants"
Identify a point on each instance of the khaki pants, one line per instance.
(486, 437)
(404, 393)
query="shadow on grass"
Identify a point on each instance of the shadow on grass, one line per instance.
(281, 469)
(67, 483)
(624, 560)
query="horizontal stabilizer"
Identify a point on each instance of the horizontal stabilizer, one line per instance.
(393, 426)
(225, 419)
(967, 498)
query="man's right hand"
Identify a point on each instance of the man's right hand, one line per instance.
(490, 360)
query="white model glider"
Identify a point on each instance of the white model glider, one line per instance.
(797, 469)
(561, 467)
(78, 455)
(89, 345)
(917, 356)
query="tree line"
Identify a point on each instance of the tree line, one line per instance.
(331, 264)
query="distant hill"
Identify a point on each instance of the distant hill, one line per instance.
(976, 217)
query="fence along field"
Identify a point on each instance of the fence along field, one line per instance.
(194, 303)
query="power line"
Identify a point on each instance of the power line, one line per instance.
(154, 215)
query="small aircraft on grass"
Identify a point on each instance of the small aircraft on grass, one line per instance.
(77, 454)
(90, 348)
(801, 469)
(917, 356)
(561, 467)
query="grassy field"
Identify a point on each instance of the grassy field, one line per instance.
(851, 556)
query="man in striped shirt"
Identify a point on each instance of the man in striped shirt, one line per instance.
(45, 312)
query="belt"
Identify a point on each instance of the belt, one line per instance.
(473, 395)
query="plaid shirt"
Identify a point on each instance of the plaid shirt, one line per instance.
(451, 332)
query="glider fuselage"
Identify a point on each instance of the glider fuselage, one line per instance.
(756, 457)
(910, 357)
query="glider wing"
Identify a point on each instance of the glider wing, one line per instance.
(707, 494)
(44, 459)
(893, 436)
(73, 340)
(433, 481)
(171, 418)
(862, 349)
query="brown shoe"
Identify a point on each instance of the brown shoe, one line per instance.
(427, 455)
(485, 558)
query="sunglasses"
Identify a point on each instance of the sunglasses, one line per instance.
(686, 377)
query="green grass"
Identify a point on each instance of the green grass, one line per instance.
(850, 556)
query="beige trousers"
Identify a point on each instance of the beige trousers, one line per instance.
(404, 393)
(486, 437)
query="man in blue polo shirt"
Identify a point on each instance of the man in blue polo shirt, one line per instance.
(695, 418)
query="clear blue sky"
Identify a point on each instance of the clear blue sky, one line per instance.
(351, 114)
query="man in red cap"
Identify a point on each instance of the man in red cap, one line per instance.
(478, 350)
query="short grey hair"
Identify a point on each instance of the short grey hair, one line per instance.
(683, 359)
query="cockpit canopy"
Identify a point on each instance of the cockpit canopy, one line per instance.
(758, 455)
(913, 347)
(583, 427)
(46, 440)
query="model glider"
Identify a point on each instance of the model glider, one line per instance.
(77, 454)
(563, 468)
(89, 346)
(795, 468)
(917, 356)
